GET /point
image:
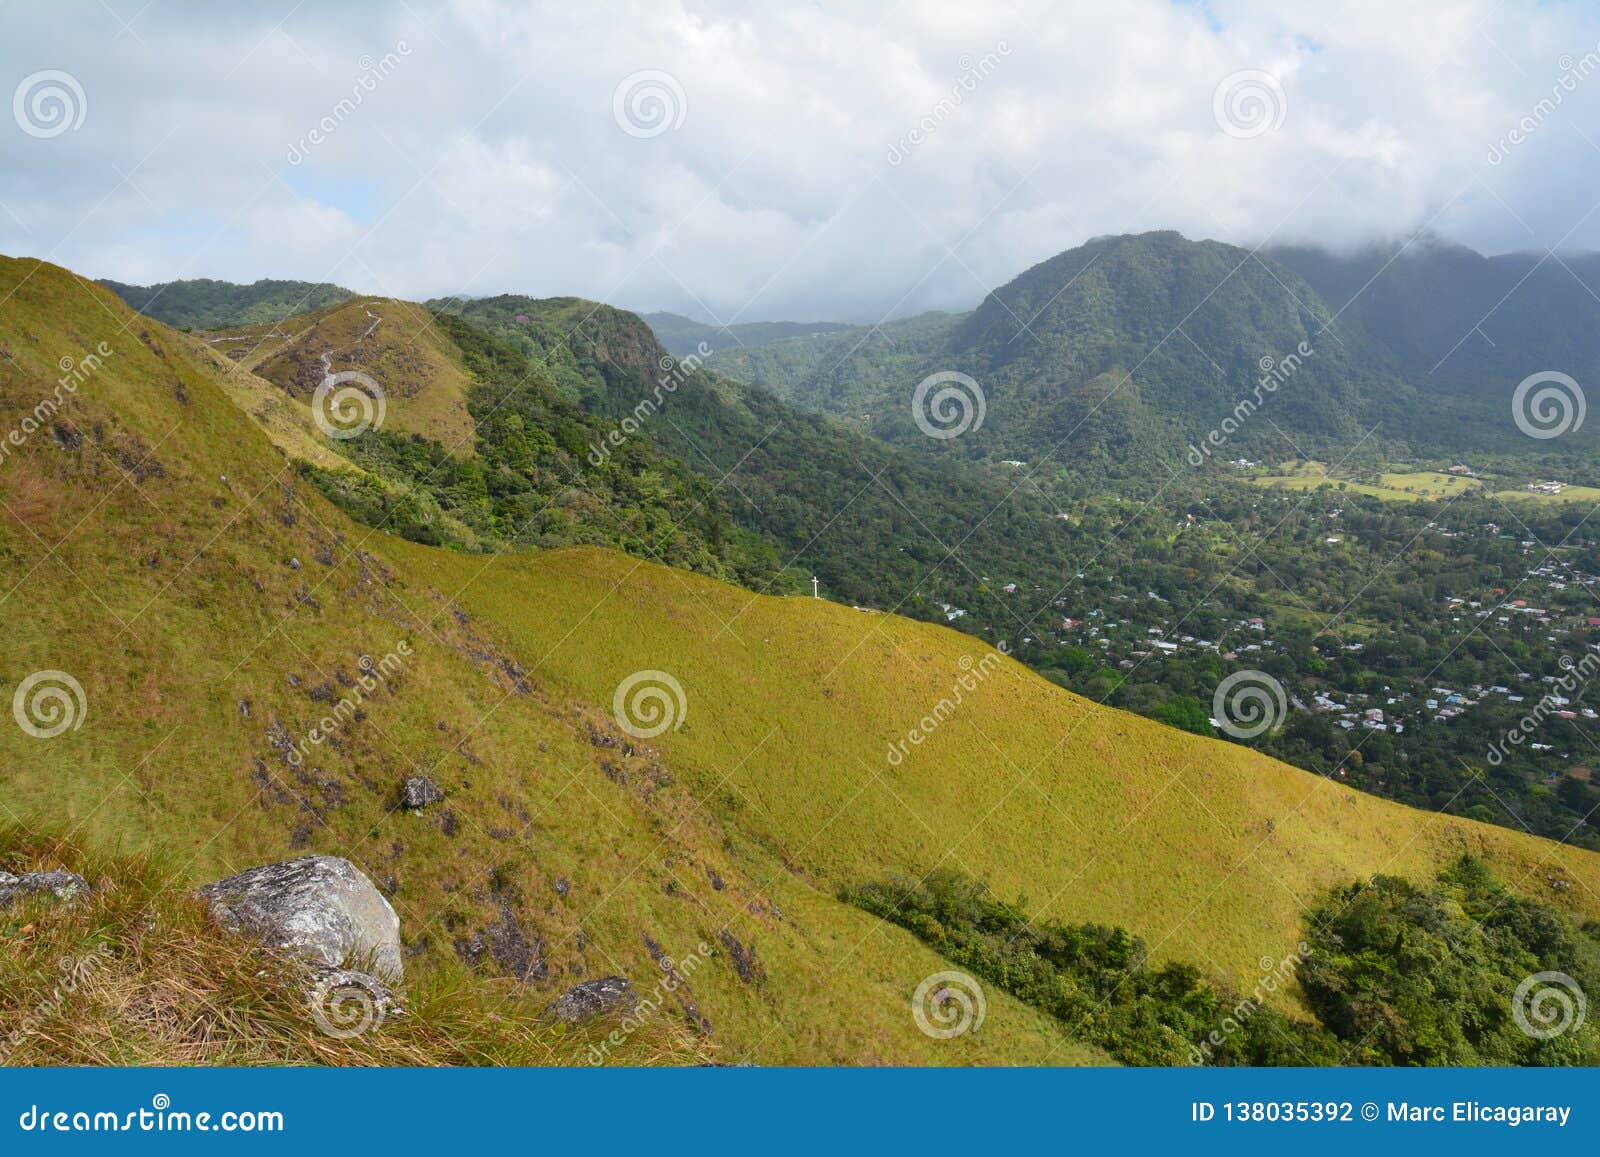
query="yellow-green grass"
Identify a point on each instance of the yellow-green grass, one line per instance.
(137, 974)
(1427, 483)
(1412, 485)
(397, 343)
(1209, 851)
(1392, 485)
(157, 548)
(1587, 494)
(283, 417)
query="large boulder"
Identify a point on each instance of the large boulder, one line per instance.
(591, 998)
(61, 885)
(321, 908)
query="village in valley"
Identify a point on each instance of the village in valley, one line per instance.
(1479, 620)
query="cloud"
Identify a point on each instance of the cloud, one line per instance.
(810, 162)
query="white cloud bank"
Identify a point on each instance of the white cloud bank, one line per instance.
(778, 160)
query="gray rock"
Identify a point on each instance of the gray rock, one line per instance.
(346, 1004)
(418, 792)
(591, 998)
(61, 885)
(321, 908)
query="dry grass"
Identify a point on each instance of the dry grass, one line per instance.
(421, 374)
(136, 974)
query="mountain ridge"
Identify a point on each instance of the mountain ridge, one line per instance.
(683, 336)
(1182, 328)
(204, 303)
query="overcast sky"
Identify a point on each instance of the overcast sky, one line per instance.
(766, 160)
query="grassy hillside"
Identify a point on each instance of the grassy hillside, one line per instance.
(159, 549)
(527, 477)
(156, 547)
(284, 418)
(139, 975)
(1205, 848)
(394, 342)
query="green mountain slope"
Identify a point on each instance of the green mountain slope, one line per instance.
(879, 526)
(206, 304)
(592, 433)
(475, 447)
(159, 550)
(1128, 350)
(1459, 323)
(1113, 357)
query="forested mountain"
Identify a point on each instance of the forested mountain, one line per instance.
(206, 304)
(1457, 322)
(1125, 352)
(878, 525)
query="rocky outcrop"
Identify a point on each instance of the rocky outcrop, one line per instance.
(418, 792)
(745, 962)
(61, 885)
(320, 908)
(591, 998)
(519, 953)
